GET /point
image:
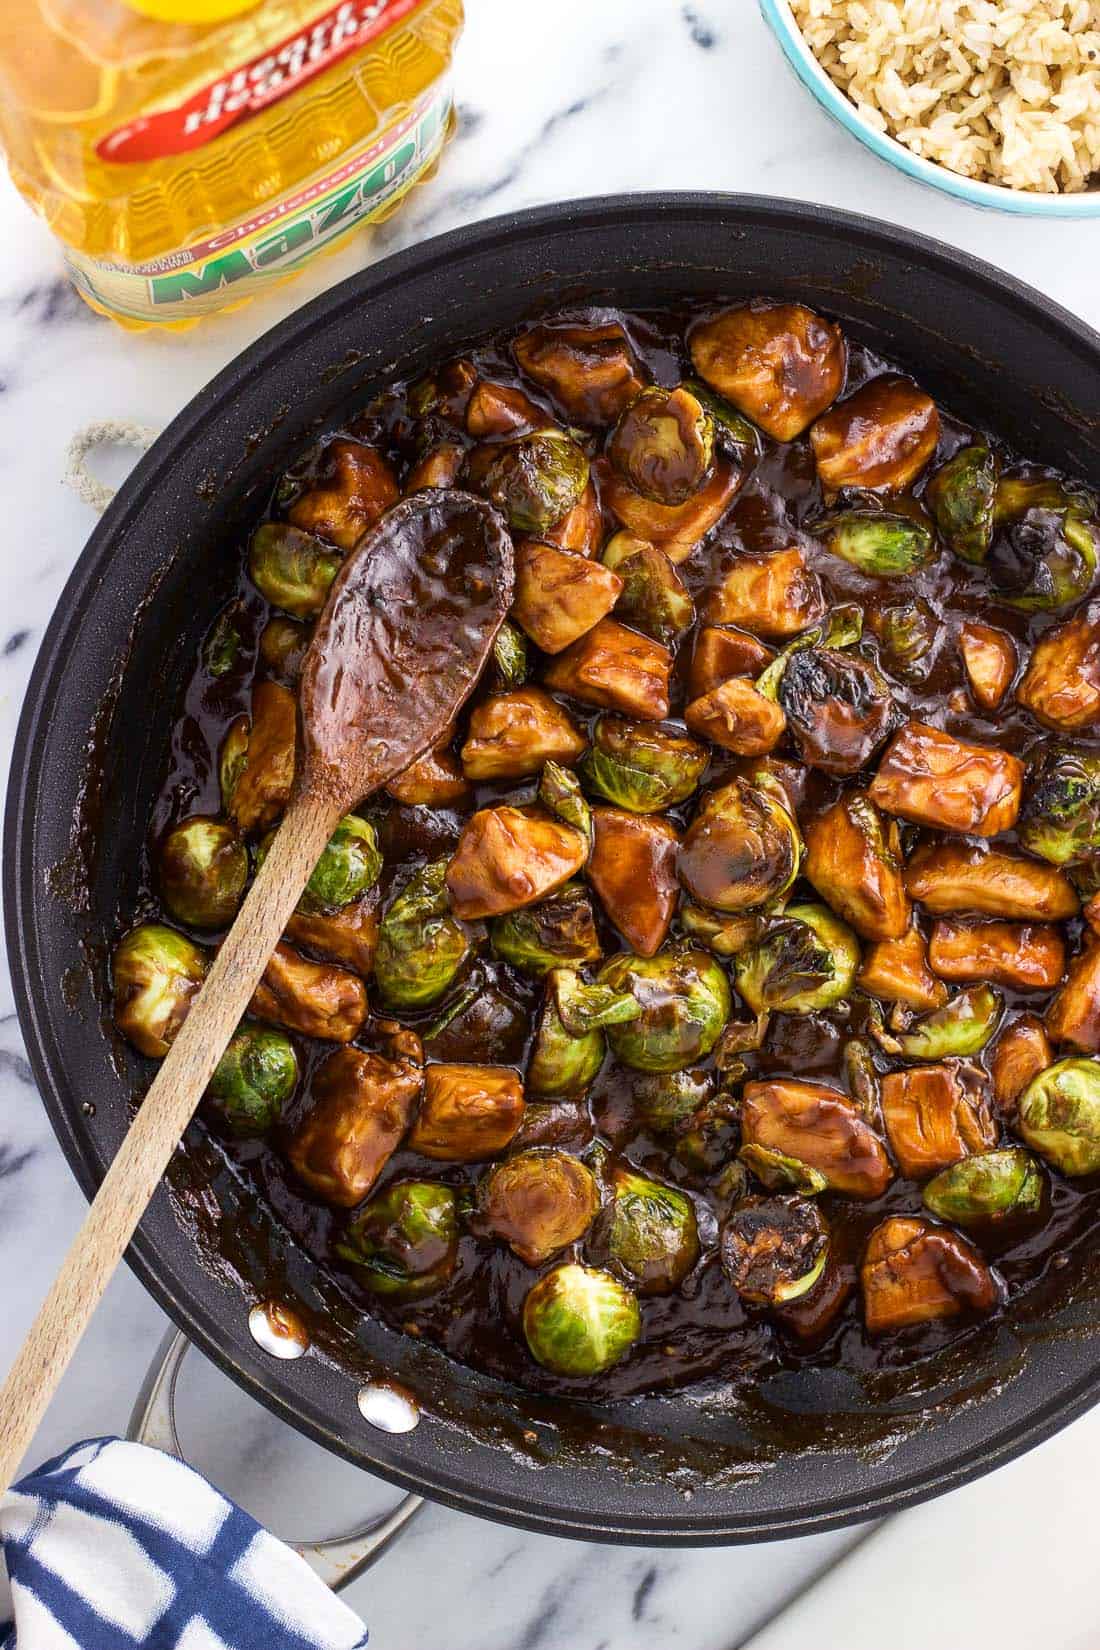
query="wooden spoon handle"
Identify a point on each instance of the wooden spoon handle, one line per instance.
(160, 1121)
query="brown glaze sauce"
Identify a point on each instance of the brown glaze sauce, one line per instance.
(703, 1331)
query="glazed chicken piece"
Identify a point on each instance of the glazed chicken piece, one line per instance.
(616, 668)
(880, 438)
(936, 1115)
(933, 779)
(633, 870)
(507, 858)
(360, 1106)
(468, 1113)
(914, 1272)
(818, 1126)
(775, 595)
(316, 999)
(358, 485)
(560, 595)
(994, 882)
(853, 859)
(511, 735)
(1020, 1053)
(779, 364)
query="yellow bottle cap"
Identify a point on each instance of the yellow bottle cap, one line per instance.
(191, 11)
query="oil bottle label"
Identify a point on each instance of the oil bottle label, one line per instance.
(275, 242)
(255, 85)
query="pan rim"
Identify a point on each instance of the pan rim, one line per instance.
(26, 775)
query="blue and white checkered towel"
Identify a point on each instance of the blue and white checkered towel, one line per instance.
(114, 1545)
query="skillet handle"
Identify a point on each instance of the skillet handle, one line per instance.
(153, 1422)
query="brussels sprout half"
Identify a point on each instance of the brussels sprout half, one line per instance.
(404, 1242)
(291, 568)
(203, 871)
(580, 1321)
(253, 1079)
(774, 1249)
(989, 1186)
(742, 851)
(806, 961)
(962, 1026)
(1060, 818)
(647, 1233)
(534, 479)
(348, 866)
(563, 1063)
(653, 598)
(908, 634)
(538, 1202)
(554, 933)
(684, 998)
(1058, 1115)
(421, 946)
(642, 768)
(961, 495)
(663, 444)
(155, 973)
(839, 708)
(880, 543)
(1045, 548)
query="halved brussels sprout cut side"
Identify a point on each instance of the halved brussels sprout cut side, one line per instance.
(806, 961)
(684, 1002)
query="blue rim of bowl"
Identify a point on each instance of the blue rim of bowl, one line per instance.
(780, 19)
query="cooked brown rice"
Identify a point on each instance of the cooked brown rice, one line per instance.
(1008, 93)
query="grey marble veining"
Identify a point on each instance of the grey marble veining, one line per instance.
(561, 100)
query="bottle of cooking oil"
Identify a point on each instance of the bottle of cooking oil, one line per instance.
(187, 153)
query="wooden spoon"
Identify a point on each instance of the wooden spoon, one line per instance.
(407, 627)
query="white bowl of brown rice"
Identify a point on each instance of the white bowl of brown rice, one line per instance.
(995, 101)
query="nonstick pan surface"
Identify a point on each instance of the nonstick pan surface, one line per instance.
(812, 1451)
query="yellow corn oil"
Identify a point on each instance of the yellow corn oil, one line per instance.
(187, 153)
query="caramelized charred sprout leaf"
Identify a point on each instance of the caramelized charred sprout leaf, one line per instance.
(254, 1079)
(590, 1006)
(742, 851)
(724, 935)
(774, 1249)
(580, 1321)
(405, 1240)
(642, 768)
(780, 1173)
(1059, 1115)
(663, 444)
(962, 1026)
(883, 544)
(647, 1233)
(1060, 819)
(557, 931)
(654, 598)
(839, 709)
(806, 961)
(509, 658)
(563, 1063)
(534, 479)
(421, 946)
(233, 758)
(961, 495)
(560, 793)
(291, 568)
(1045, 548)
(156, 972)
(683, 1001)
(203, 872)
(988, 1186)
(539, 1202)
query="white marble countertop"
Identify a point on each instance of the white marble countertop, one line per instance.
(556, 101)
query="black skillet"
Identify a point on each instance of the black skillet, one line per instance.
(813, 1452)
